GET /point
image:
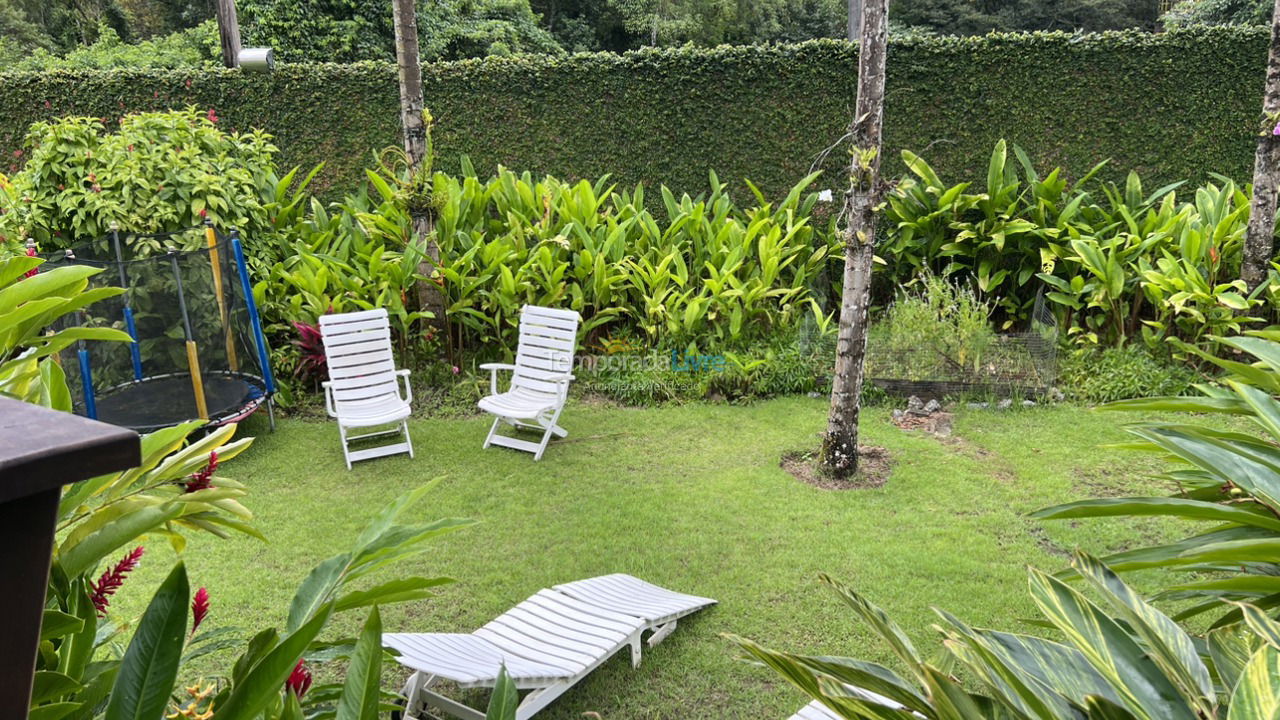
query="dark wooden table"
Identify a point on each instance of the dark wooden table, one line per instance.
(40, 451)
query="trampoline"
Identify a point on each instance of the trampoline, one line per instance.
(198, 352)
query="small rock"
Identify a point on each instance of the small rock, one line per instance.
(898, 414)
(932, 407)
(1028, 403)
(1055, 395)
(979, 405)
(815, 394)
(915, 406)
(1005, 404)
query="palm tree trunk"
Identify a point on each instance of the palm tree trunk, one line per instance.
(415, 146)
(1260, 234)
(228, 32)
(839, 455)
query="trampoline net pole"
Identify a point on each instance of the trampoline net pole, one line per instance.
(135, 354)
(211, 239)
(255, 322)
(193, 354)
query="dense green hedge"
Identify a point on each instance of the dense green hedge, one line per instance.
(1173, 106)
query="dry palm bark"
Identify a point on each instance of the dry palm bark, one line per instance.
(430, 297)
(1258, 239)
(839, 456)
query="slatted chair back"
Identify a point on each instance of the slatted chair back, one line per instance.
(545, 350)
(357, 347)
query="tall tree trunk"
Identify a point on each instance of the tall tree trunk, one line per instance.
(1258, 238)
(855, 20)
(228, 32)
(839, 456)
(415, 146)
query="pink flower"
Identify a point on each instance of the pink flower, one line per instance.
(456, 370)
(31, 252)
(299, 680)
(112, 579)
(199, 608)
(17, 153)
(203, 213)
(201, 480)
(1276, 129)
(213, 117)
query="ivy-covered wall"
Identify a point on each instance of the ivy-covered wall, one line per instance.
(1172, 106)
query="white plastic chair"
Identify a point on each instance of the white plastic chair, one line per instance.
(363, 389)
(539, 379)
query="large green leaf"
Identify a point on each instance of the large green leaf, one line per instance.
(882, 624)
(263, 682)
(1257, 693)
(150, 665)
(360, 690)
(1155, 506)
(504, 700)
(1139, 682)
(1168, 644)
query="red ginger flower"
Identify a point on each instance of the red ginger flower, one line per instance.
(31, 252)
(213, 117)
(112, 579)
(199, 608)
(201, 480)
(299, 680)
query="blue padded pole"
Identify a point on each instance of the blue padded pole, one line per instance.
(254, 321)
(86, 383)
(133, 346)
(134, 352)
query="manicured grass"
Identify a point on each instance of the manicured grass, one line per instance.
(691, 498)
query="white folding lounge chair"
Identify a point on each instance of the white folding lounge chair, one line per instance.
(363, 389)
(658, 607)
(547, 643)
(539, 379)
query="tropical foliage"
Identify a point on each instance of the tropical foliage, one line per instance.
(1118, 658)
(1118, 262)
(1230, 479)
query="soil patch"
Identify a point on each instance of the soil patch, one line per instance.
(874, 466)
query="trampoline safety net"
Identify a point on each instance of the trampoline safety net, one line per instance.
(198, 350)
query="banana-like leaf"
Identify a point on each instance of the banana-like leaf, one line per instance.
(1142, 687)
(150, 664)
(1161, 506)
(1257, 692)
(262, 682)
(361, 689)
(1170, 646)
(504, 700)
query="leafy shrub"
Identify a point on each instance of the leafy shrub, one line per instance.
(932, 333)
(1099, 375)
(158, 172)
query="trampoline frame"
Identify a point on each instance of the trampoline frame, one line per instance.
(267, 379)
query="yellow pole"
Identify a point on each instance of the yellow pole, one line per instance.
(211, 239)
(197, 383)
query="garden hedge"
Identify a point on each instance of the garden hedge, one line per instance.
(1172, 106)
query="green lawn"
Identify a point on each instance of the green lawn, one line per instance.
(691, 498)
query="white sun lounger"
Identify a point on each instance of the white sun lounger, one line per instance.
(658, 607)
(548, 643)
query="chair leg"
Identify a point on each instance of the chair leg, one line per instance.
(634, 640)
(404, 428)
(493, 430)
(346, 452)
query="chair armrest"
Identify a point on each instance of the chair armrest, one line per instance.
(493, 369)
(403, 373)
(328, 398)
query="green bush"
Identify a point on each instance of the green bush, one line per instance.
(763, 112)
(1099, 375)
(157, 172)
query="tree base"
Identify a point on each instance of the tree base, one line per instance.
(874, 467)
